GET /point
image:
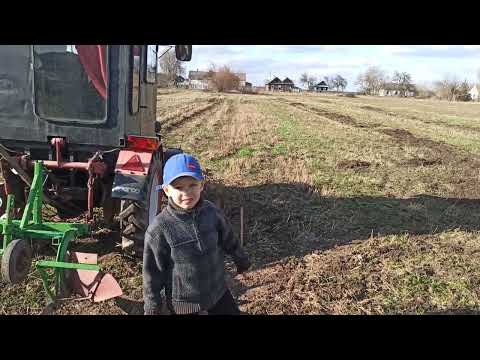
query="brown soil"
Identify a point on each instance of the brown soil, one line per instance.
(211, 104)
(340, 118)
(352, 164)
(372, 108)
(422, 162)
(413, 117)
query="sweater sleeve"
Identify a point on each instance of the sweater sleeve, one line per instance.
(229, 242)
(155, 267)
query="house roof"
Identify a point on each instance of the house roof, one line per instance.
(275, 80)
(322, 83)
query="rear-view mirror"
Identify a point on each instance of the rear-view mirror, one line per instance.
(183, 52)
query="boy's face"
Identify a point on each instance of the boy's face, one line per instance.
(184, 191)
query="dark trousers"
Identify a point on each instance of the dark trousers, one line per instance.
(225, 306)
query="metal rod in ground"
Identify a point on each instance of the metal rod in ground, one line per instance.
(241, 225)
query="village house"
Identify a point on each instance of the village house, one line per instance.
(393, 89)
(321, 86)
(474, 92)
(278, 85)
(199, 80)
(243, 80)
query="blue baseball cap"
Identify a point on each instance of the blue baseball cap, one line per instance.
(181, 165)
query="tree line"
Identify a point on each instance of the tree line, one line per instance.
(449, 87)
(333, 82)
(369, 82)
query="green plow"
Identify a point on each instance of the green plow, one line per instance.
(61, 274)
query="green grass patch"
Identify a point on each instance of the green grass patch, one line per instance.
(245, 152)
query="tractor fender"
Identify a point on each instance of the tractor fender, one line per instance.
(131, 174)
(129, 181)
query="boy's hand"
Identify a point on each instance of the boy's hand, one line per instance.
(243, 266)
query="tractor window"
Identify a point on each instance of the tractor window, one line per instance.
(151, 75)
(135, 78)
(71, 82)
(15, 79)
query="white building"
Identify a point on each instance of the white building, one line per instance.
(474, 92)
(393, 89)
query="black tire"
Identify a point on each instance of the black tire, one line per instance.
(16, 261)
(135, 216)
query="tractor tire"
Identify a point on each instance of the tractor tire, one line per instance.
(135, 216)
(16, 261)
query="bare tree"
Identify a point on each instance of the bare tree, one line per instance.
(312, 80)
(171, 67)
(223, 78)
(329, 81)
(425, 91)
(338, 82)
(342, 82)
(304, 79)
(464, 91)
(448, 88)
(372, 80)
(403, 81)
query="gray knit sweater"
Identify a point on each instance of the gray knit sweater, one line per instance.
(184, 254)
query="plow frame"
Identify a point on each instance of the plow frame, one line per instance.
(31, 228)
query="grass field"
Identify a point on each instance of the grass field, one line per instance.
(358, 205)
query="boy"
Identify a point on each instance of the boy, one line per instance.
(185, 246)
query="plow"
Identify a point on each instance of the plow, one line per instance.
(68, 271)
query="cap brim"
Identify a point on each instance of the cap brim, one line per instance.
(191, 174)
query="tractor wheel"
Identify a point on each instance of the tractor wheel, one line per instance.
(135, 216)
(16, 261)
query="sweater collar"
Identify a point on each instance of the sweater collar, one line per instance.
(180, 211)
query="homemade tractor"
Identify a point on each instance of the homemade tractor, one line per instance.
(82, 120)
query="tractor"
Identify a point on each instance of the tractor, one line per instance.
(87, 113)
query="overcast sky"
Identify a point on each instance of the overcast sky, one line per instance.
(426, 63)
